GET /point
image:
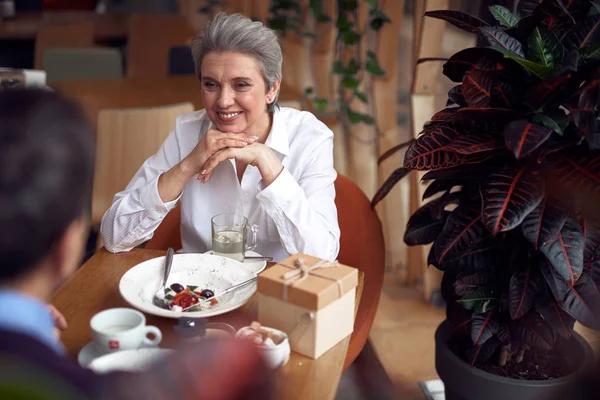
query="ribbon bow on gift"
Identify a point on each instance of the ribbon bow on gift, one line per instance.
(301, 271)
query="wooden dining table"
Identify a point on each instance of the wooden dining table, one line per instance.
(95, 287)
(96, 95)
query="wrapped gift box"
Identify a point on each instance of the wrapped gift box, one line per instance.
(310, 299)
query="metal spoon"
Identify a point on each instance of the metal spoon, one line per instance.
(159, 298)
(228, 290)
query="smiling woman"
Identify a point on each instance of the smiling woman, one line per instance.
(242, 154)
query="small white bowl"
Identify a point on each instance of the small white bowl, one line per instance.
(275, 357)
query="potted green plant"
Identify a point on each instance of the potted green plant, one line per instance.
(514, 165)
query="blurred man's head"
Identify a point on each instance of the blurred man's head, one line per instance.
(46, 172)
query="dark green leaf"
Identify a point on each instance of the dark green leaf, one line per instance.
(353, 66)
(543, 47)
(167, 290)
(169, 297)
(277, 23)
(591, 51)
(192, 287)
(480, 300)
(536, 69)
(504, 16)
(350, 37)
(348, 5)
(343, 23)
(320, 104)
(379, 18)
(323, 18)
(556, 121)
(362, 97)
(308, 91)
(349, 82)
(372, 3)
(501, 41)
(338, 68)
(355, 117)
(373, 68)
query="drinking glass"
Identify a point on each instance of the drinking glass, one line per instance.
(230, 236)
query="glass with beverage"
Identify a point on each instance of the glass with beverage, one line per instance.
(230, 236)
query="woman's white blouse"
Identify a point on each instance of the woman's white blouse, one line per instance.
(295, 213)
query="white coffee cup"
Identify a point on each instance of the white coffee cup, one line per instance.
(123, 329)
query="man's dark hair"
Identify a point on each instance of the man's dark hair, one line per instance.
(46, 174)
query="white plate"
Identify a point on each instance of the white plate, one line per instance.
(128, 360)
(140, 283)
(254, 266)
(92, 351)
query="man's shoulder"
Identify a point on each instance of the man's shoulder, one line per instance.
(28, 358)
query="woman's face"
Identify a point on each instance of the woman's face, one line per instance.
(234, 93)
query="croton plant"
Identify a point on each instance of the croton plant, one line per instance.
(514, 176)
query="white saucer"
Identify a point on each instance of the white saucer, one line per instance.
(89, 353)
(254, 266)
(92, 351)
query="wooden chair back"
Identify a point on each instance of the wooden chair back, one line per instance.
(361, 246)
(125, 139)
(150, 40)
(75, 34)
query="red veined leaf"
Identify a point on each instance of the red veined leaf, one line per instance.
(455, 96)
(483, 327)
(464, 228)
(467, 170)
(560, 322)
(478, 355)
(438, 186)
(393, 151)
(432, 258)
(459, 19)
(532, 330)
(541, 92)
(427, 222)
(585, 116)
(428, 151)
(584, 33)
(501, 41)
(388, 185)
(466, 283)
(463, 61)
(525, 284)
(591, 251)
(579, 170)
(527, 7)
(504, 334)
(523, 137)
(581, 301)
(458, 316)
(565, 251)
(545, 222)
(477, 88)
(446, 115)
(551, 16)
(509, 196)
(472, 144)
(478, 258)
(486, 113)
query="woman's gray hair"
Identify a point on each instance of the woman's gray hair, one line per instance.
(238, 33)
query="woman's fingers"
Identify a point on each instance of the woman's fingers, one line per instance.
(214, 160)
